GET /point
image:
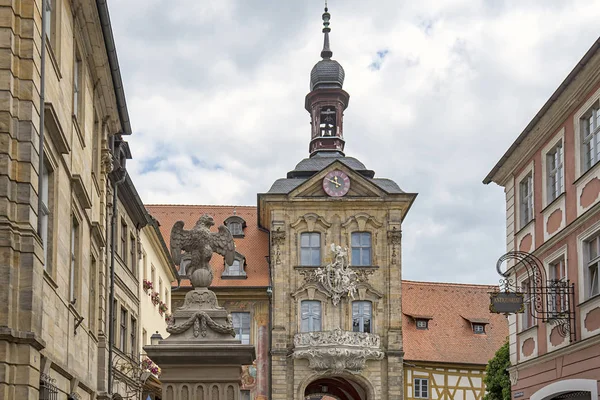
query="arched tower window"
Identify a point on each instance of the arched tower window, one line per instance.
(327, 121)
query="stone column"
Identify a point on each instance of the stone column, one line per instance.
(21, 252)
(201, 359)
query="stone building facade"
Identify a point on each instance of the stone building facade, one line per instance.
(336, 331)
(551, 177)
(59, 72)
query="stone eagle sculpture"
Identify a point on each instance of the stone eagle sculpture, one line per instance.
(200, 243)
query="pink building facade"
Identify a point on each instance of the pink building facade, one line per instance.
(551, 177)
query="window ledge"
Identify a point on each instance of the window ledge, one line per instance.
(584, 175)
(50, 280)
(53, 59)
(532, 221)
(78, 130)
(592, 299)
(556, 200)
(531, 328)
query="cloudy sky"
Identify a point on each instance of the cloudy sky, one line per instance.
(439, 90)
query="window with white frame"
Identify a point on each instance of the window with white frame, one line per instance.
(557, 299)
(527, 317)
(74, 273)
(422, 323)
(45, 216)
(241, 326)
(592, 260)
(554, 167)
(310, 316)
(48, 17)
(421, 388)
(361, 248)
(590, 134)
(77, 86)
(185, 262)
(236, 269)
(310, 249)
(361, 316)
(479, 328)
(123, 333)
(526, 199)
(235, 228)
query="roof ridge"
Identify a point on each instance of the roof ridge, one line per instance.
(477, 285)
(198, 205)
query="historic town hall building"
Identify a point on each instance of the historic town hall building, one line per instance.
(323, 340)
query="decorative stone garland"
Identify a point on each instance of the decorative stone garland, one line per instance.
(200, 320)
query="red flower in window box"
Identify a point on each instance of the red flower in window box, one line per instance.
(162, 308)
(147, 285)
(155, 297)
(168, 318)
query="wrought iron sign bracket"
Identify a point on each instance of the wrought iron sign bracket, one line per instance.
(548, 300)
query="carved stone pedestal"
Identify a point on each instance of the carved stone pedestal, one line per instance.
(201, 359)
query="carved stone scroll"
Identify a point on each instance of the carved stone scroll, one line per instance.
(337, 351)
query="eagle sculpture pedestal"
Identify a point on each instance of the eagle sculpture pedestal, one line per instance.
(201, 358)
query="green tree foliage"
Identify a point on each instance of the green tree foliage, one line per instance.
(497, 380)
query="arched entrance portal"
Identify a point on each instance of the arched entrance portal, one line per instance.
(334, 388)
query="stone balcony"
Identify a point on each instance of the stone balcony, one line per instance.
(337, 350)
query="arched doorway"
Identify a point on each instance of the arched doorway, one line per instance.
(572, 389)
(334, 388)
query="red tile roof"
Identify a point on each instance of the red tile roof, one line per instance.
(449, 337)
(254, 245)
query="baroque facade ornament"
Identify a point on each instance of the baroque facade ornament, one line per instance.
(337, 278)
(278, 237)
(337, 351)
(394, 237)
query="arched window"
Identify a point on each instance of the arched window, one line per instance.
(310, 249)
(361, 248)
(310, 316)
(235, 270)
(362, 316)
(236, 225)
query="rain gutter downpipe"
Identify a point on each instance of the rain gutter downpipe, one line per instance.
(41, 128)
(111, 325)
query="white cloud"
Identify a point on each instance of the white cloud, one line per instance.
(215, 91)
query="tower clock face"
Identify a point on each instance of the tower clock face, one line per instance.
(336, 183)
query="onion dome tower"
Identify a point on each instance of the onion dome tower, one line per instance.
(326, 101)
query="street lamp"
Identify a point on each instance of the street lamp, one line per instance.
(155, 338)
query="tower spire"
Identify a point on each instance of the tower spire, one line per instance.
(326, 53)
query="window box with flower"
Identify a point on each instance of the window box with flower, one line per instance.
(147, 285)
(162, 308)
(148, 365)
(155, 297)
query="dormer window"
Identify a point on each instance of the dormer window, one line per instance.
(185, 262)
(422, 323)
(236, 225)
(477, 324)
(237, 269)
(479, 328)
